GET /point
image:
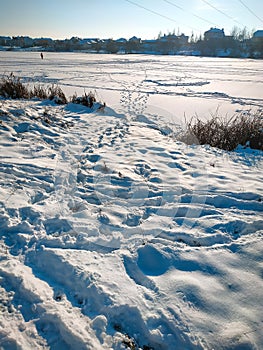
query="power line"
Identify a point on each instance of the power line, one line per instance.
(222, 12)
(253, 13)
(158, 14)
(155, 13)
(182, 9)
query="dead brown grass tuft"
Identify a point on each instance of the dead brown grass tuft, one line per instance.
(227, 134)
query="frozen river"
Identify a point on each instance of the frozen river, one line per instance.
(178, 86)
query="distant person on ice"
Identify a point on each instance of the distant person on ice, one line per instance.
(41, 55)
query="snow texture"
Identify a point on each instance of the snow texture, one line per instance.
(114, 235)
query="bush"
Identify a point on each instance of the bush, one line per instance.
(227, 134)
(85, 100)
(11, 87)
(56, 94)
(39, 92)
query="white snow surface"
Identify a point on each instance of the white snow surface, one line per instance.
(113, 234)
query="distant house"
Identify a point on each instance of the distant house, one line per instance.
(257, 44)
(45, 42)
(121, 41)
(214, 33)
(149, 41)
(122, 44)
(169, 37)
(22, 41)
(183, 39)
(135, 39)
(149, 44)
(28, 41)
(258, 34)
(89, 41)
(133, 45)
(5, 40)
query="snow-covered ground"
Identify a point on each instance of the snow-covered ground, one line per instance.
(181, 86)
(114, 235)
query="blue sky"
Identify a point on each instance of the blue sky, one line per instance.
(61, 19)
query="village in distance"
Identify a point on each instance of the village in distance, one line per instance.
(214, 43)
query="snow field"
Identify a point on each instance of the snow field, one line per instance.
(183, 86)
(114, 235)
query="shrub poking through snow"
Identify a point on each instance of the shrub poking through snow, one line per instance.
(85, 100)
(226, 134)
(12, 87)
(39, 91)
(56, 94)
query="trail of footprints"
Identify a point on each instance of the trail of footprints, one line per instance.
(44, 322)
(145, 198)
(147, 193)
(94, 175)
(111, 135)
(98, 177)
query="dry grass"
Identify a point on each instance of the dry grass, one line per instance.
(227, 134)
(12, 87)
(56, 94)
(39, 91)
(87, 100)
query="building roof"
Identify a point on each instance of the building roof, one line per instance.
(258, 34)
(121, 40)
(215, 30)
(134, 38)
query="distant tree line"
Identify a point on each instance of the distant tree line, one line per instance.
(240, 43)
